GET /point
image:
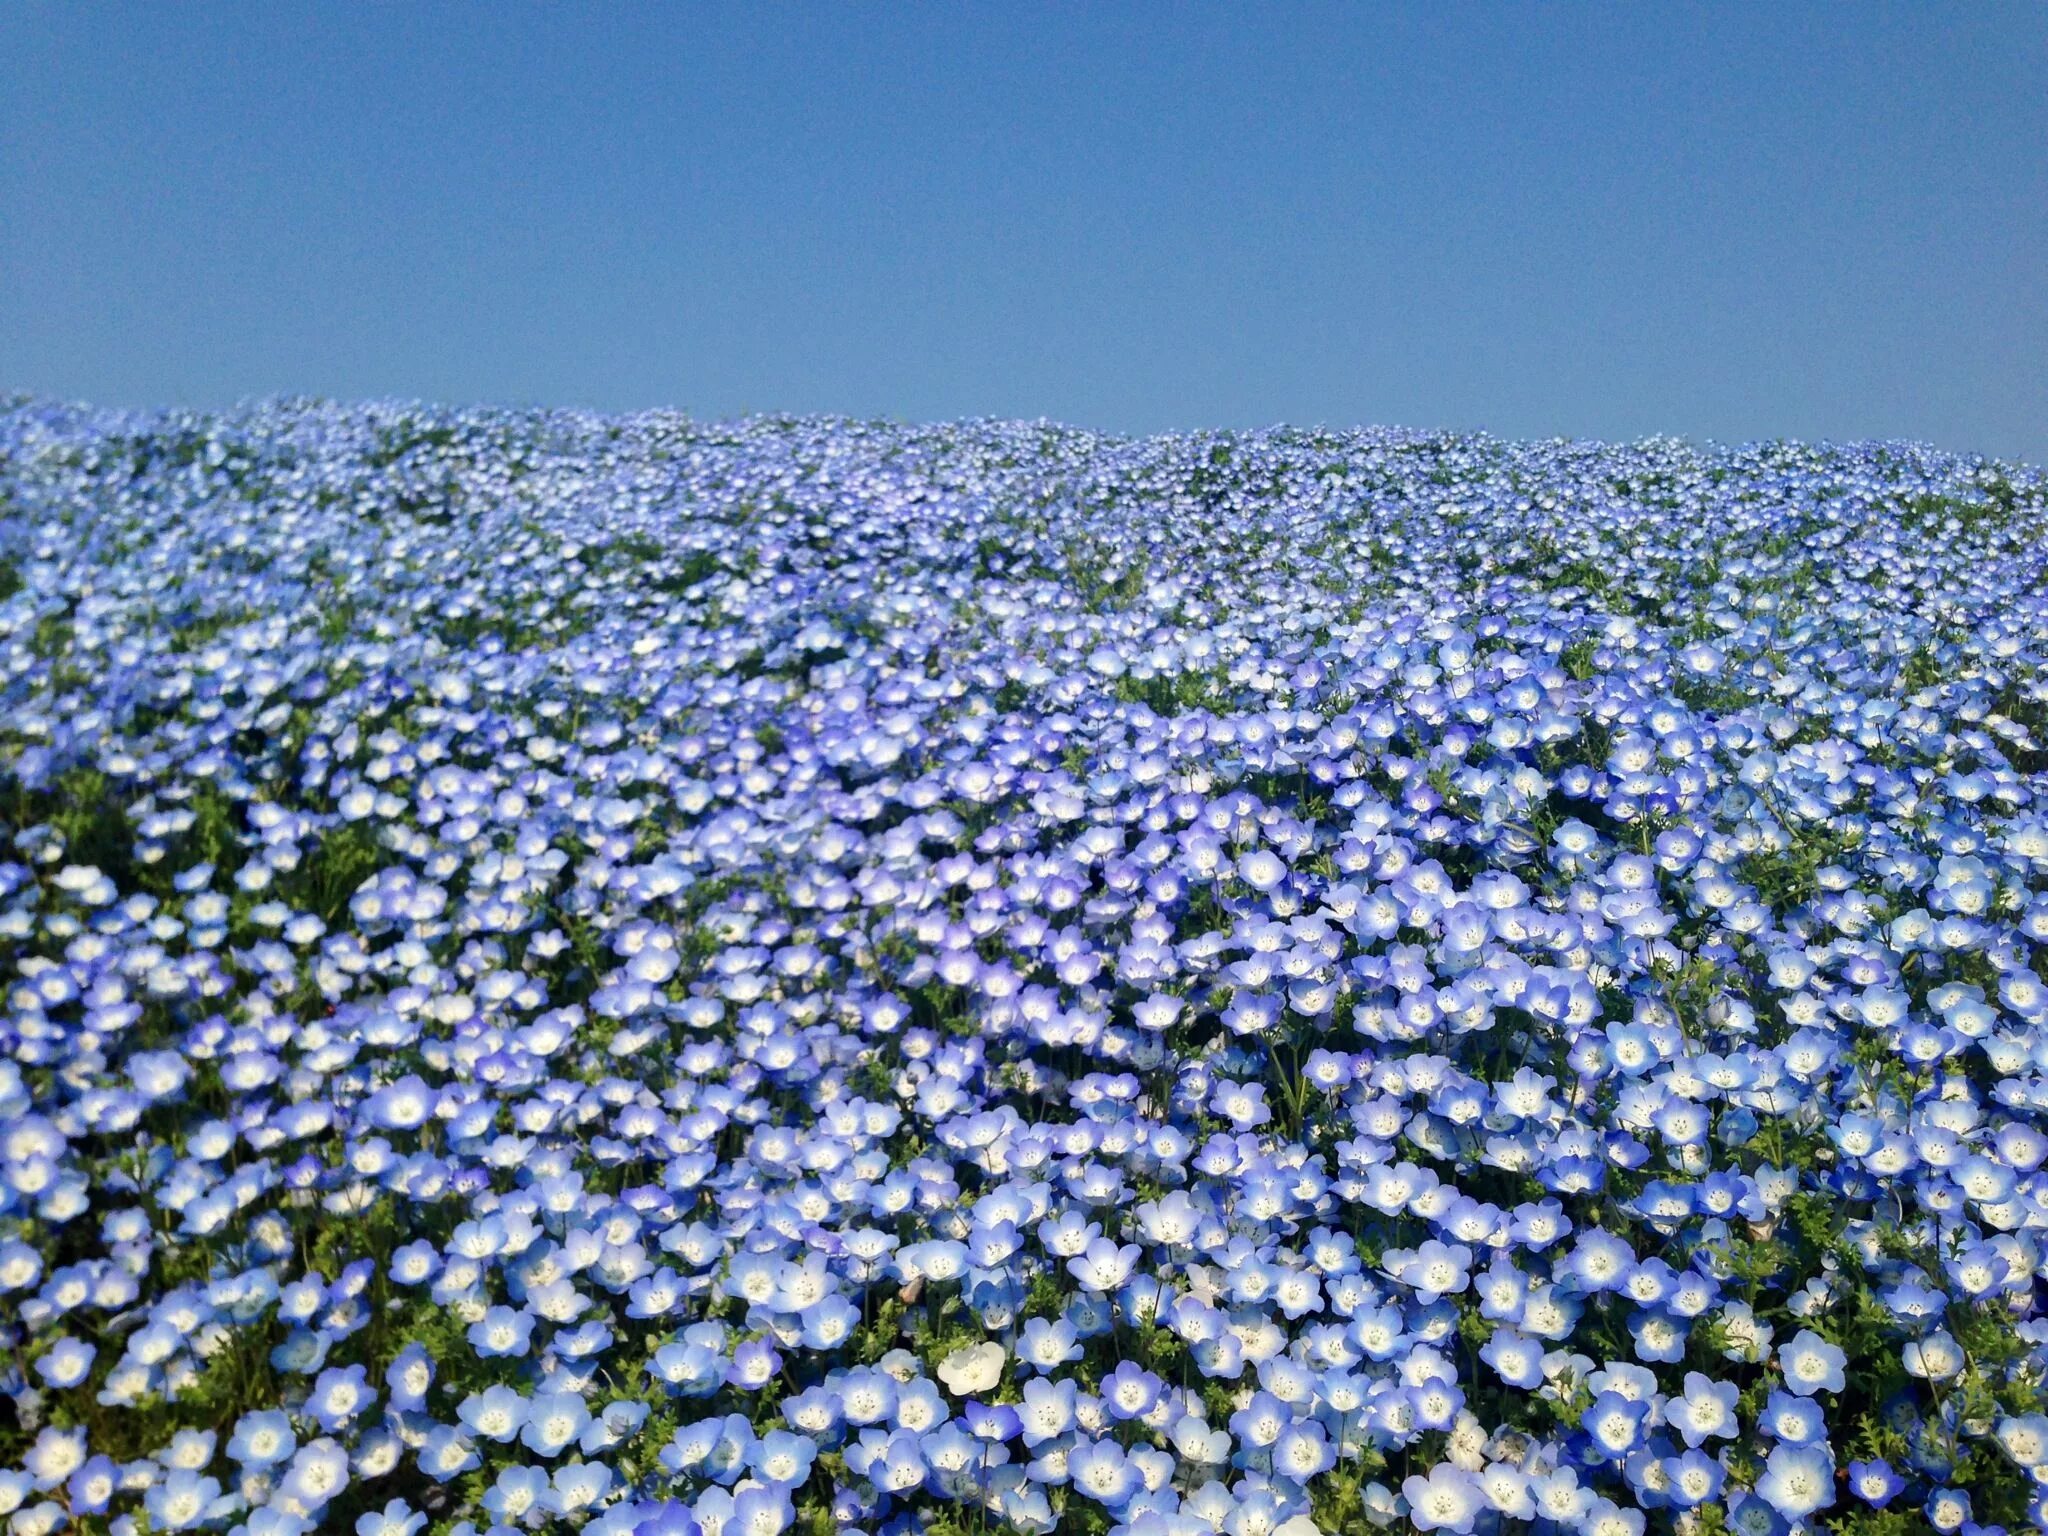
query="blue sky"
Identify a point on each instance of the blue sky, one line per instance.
(1729, 222)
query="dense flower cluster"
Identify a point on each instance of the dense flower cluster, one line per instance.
(630, 975)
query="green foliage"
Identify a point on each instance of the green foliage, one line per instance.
(881, 1331)
(51, 637)
(1874, 1522)
(334, 869)
(1790, 875)
(1179, 693)
(94, 823)
(1104, 581)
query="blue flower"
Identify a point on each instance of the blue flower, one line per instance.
(1794, 1420)
(183, 1501)
(1104, 1265)
(338, 1396)
(1693, 1478)
(1047, 1410)
(1447, 1499)
(1048, 1343)
(517, 1492)
(782, 1459)
(497, 1413)
(91, 1488)
(576, 1488)
(1130, 1391)
(502, 1331)
(1599, 1261)
(1875, 1482)
(396, 1518)
(1100, 1470)
(318, 1473)
(1798, 1480)
(1615, 1424)
(1948, 1509)
(447, 1453)
(1303, 1451)
(721, 904)
(66, 1363)
(1516, 1359)
(1810, 1364)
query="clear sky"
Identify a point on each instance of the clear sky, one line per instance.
(1731, 222)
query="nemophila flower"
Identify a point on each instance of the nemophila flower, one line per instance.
(1256, 1426)
(955, 1460)
(1874, 1482)
(1705, 1411)
(867, 1397)
(1302, 1451)
(517, 1492)
(54, 1457)
(1195, 1442)
(190, 1449)
(1658, 1336)
(825, 1324)
(991, 1422)
(1047, 1410)
(1101, 1470)
(1810, 1364)
(1978, 1269)
(1503, 1290)
(1047, 1343)
(1558, 1496)
(318, 1473)
(973, 1370)
(1436, 1269)
(1795, 1420)
(1614, 1423)
(1516, 1359)
(1745, 1337)
(1598, 1261)
(568, 775)
(782, 1459)
(408, 1377)
(1447, 1499)
(396, 1518)
(338, 1396)
(447, 1453)
(91, 1488)
(1436, 1402)
(1798, 1480)
(66, 1363)
(501, 1331)
(754, 1364)
(1103, 1265)
(576, 1488)
(1507, 1490)
(262, 1439)
(497, 1413)
(414, 1264)
(1937, 1357)
(184, 1500)
(919, 1405)
(1606, 1518)
(1948, 1509)
(893, 1461)
(1693, 1478)
(1130, 1391)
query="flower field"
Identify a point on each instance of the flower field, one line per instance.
(622, 974)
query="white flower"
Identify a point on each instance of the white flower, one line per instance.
(976, 1368)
